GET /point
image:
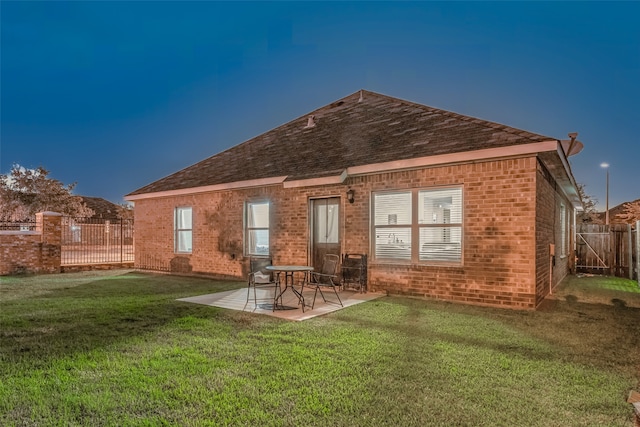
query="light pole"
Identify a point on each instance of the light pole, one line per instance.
(606, 166)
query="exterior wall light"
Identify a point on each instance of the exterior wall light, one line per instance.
(350, 195)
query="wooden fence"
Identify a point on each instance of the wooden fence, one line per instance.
(608, 249)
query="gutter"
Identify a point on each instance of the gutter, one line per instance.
(392, 166)
(207, 188)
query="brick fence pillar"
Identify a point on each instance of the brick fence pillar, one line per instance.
(49, 224)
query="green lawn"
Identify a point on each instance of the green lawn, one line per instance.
(116, 348)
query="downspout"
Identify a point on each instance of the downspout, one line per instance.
(574, 243)
(552, 254)
(630, 243)
(638, 251)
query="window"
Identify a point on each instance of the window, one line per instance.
(418, 225)
(183, 230)
(563, 230)
(257, 228)
(325, 221)
(392, 223)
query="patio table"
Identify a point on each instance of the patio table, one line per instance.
(289, 272)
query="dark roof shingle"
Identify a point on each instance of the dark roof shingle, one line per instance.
(360, 129)
(102, 208)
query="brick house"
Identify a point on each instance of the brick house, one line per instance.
(102, 208)
(444, 205)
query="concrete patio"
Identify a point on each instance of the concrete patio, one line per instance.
(237, 300)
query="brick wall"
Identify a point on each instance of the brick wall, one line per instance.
(32, 251)
(550, 270)
(498, 247)
(503, 248)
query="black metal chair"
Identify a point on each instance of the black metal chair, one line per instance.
(260, 278)
(326, 278)
(354, 272)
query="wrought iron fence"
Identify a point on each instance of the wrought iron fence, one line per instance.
(152, 262)
(17, 225)
(96, 241)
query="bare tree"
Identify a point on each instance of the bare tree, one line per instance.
(25, 192)
(125, 211)
(590, 214)
(630, 212)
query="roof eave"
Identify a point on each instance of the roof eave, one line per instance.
(208, 188)
(552, 146)
(558, 165)
(460, 157)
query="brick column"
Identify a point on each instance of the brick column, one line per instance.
(49, 225)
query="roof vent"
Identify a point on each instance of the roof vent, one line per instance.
(360, 99)
(310, 122)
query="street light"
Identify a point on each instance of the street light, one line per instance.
(606, 166)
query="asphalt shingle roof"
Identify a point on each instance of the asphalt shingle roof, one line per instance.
(360, 129)
(102, 208)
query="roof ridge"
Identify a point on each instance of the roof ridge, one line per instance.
(357, 129)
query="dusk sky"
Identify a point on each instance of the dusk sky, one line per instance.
(114, 95)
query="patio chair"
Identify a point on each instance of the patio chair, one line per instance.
(326, 278)
(354, 272)
(260, 278)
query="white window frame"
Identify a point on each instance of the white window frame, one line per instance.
(249, 229)
(182, 231)
(379, 231)
(563, 230)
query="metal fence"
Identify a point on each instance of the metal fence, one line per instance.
(17, 225)
(96, 241)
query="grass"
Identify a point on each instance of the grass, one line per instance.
(116, 348)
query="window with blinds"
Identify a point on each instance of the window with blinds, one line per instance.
(183, 230)
(392, 225)
(418, 225)
(257, 228)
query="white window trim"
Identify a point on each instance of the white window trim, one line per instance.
(563, 230)
(415, 228)
(177, 230)
(246, 228)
